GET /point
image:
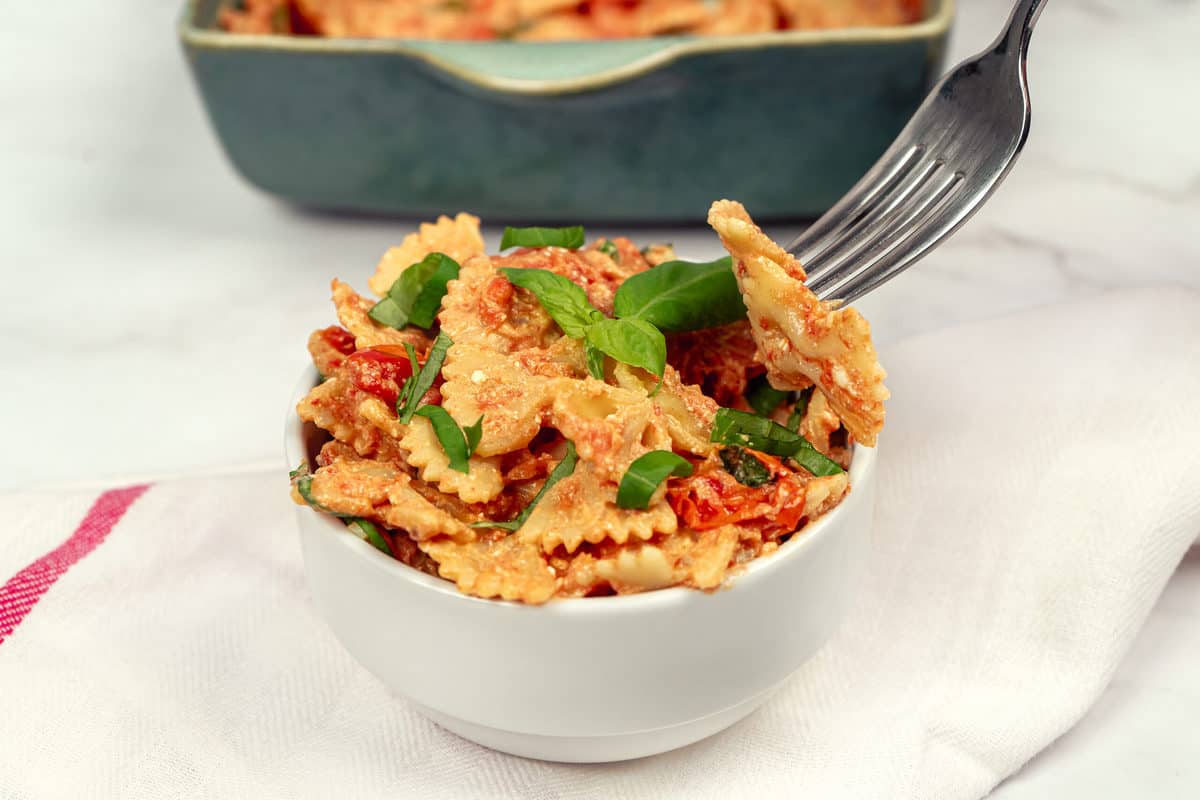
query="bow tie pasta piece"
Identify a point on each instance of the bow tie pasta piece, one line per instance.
(803, 340)
(582, 508)
(458, 238)
(611, 427)
(479, 381)
(482, 308)
(379, 491)
(701, 560)
(352, 311)
(481, 483)
(507, 568)
(819, 422)
(333, 406)
(687, 412)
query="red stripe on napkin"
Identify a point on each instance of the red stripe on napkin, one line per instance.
(24, 589)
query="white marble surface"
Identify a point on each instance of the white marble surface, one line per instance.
(154, 309)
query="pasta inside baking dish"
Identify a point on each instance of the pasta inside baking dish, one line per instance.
(574, 419)
(556, 20)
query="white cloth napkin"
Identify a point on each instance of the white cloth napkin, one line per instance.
(1039, 482)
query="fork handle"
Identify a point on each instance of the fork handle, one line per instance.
(1015, 38)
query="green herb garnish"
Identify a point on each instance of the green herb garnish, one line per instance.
(366, 530)
(473, 434)
(565, 301)
(560, 471)
(595, 360)
(416, 296)
(682, 296)
(799, 409)
(422, 378)
(609, 249)
(570, 238)
(451, 437)
(759, 433)
(644, 475)
(763, 397)
(630, 341)
(744, 467)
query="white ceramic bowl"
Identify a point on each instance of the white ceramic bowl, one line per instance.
(591, 679)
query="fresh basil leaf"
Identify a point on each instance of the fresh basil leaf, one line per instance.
(451, 437)
(744, 467)
(388, 312)
(815, 461)
(595, 361)
(644, 475)
(563, 300)
(682, 296)
(759, 433)
(799, 409)
(571, 238)
(763, 397)
(422, 378)
(366, 530)
(473, 433)
(609, 249)
(560, 471)
(630, 341)
(416, 296)
(404, 398)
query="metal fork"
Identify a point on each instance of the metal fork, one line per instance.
(947, 161)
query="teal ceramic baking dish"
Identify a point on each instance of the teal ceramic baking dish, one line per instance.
(617, 130)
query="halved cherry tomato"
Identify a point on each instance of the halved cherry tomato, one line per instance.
(712, 498)
(339, 339)
(380, 370)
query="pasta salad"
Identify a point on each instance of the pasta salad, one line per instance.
(573, 420)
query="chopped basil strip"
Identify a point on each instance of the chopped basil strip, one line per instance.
(473, 433)
(744, 467)
(631, 341)
(571, 238)
(799, 409)
(451, 437)
(759, 433)
(763, 397)
(560, 471)
(366, 530)
(682, 296)
(609, 249)
(595, 361)
(422, 378)
(644, 475)
(416, 295)
(563, 299)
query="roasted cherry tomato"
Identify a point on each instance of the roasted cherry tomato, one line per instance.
(380, 370)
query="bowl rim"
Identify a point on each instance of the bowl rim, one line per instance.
(862, 471)
(672, 48)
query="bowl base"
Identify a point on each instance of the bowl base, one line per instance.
(598, 749)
